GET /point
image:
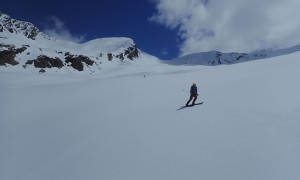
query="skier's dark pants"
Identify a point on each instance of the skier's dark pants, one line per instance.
(191, 97)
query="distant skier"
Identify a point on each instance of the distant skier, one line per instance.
(194, 94)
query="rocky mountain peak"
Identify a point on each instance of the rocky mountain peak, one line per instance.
(17, 27)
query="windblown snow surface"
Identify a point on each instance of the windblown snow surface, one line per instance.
(120, 125)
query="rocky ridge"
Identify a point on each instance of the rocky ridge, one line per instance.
(213, 58)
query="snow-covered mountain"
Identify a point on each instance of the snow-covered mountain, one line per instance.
(217, 58)
(24, 47)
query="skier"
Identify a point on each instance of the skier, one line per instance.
(194, 95)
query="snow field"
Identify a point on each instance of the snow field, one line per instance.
(120, 125)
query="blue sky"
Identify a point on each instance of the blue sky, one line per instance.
(168, 28)
(89, 19)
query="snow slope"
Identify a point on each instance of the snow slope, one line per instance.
(122, 126)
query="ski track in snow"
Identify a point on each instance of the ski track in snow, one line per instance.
(120, 125)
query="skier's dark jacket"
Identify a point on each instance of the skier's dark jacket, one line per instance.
(193, 90)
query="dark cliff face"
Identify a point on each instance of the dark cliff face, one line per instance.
(46, 62)
(77, 62)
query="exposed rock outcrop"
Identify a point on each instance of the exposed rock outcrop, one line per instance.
(132, 52)
(77, 62)
(43, 61)
(8, 56)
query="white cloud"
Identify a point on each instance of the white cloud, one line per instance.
(231, 25)
(57, 29)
